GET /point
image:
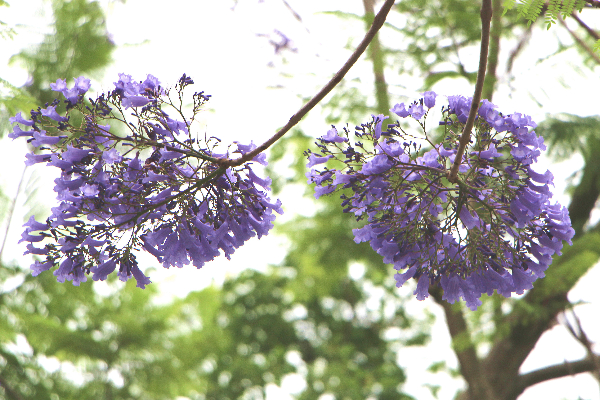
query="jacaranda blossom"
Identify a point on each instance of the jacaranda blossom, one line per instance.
(134, 178)
(495, 229)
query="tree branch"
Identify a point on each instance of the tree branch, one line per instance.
(593, 3)
(9, 390)
(579, 334)
(381, 88)
(535, 313)
(11, 211)
(377, 24)
(494, 49)
(555, 371)
(518, 48)
(486, 18)
(470, 368)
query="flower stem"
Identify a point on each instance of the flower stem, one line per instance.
(486, 18)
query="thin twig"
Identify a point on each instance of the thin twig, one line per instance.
(518, 48)
(486, 18)
(579, 334)
(579, 41)
(377, 24)
(11, 211)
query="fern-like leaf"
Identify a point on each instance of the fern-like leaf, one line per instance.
(508, 5)
(579, 4)
(552, 12)
(534, 11)
(523, 8)
(567, 8)
(531, 9)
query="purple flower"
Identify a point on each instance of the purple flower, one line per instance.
(422, 290)
(51, 113)
(141, 279)
(102, 271)
(38, 267)
(18, 132)
(26, 237)
(40, 139)
(135, 101)
(33, 225)
(323, 190)
(378, 164)
(111, 156)
(161, 191)
(400, 110)
(416, 111)
(19, 119)
(378, 122)
(82, 84)
(332, 136)
(59, 86)
(429, 99)
(492, 230)
(34, 250)
(74, 154)
(36, 158)
(313, 160)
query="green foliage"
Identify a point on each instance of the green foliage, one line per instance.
(530, 10)
(568, 268)
(79, 44)
(568, 134)
(99, 335)
(434, 35)
(12, 100)
(552, 12)
(434, 77)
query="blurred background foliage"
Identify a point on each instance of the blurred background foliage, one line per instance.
(330, 312)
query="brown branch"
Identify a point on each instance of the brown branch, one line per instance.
(294, 13)
(381, 88)
(518, 48)
(579, 334)
(534, 314)
(555, 371)
(593, 3)
(11, 211)
(580, 41)
(9, 390)
(486, 18)
(377, 24)
(469, 363)
(494, 49)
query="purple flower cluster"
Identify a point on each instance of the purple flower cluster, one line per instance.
(494, 229)
(150, 185)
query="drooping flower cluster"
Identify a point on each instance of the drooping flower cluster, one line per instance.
(494, 229)
(146, 182)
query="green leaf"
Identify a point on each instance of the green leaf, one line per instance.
(78, 45)
(567, 134)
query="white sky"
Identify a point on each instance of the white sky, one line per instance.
(219, 49)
